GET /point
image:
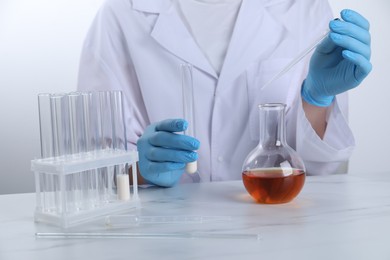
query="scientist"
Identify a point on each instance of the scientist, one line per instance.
(235, 47)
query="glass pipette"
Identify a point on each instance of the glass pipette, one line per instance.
(131, 220)
(180, 235)
(297, 59)
(188, 109)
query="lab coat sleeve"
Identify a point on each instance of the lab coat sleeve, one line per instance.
(329, 155)
(106, 64)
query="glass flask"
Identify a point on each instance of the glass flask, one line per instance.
(273, 172)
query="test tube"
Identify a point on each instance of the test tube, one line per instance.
(73, 180)
(60, 126)
(45, 195)
(90, 128)
(78, 147)
(119, 143)
(97, 144)
(102, 124)
(64, 201)
(122, 182)
(188, 109)
(107, 141)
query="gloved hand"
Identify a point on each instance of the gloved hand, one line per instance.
(163, 154)
(340, 62)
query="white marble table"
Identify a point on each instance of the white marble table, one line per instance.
(335, 217)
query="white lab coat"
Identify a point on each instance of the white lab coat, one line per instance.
(137, 46)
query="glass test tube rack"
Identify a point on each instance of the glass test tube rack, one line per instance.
(83, 172)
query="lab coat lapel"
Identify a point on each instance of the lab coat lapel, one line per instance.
(255, 36)
(171, 33)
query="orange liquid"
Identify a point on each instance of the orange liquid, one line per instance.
(270, 186)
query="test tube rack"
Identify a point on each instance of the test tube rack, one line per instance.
(84, 170)
(63, 200)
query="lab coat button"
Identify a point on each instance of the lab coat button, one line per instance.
(220, 159)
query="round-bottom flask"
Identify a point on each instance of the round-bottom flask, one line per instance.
(273, 172)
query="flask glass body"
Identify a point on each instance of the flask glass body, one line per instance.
(273, 172)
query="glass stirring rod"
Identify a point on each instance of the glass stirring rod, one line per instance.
(126, 221)
(297, 59)
(134, 235)
(188, 109)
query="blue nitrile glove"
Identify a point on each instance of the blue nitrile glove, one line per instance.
(340, 62)
(163, 154)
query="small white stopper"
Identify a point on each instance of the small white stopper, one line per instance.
(192, 167)
(123, 186)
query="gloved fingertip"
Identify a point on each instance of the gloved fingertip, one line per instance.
(354, 17)
(345, 13)
(179, 125)
(182, 124)
(172, 125)
(196, 144)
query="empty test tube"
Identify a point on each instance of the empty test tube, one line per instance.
(61, 143)
(78, 147)
(45, 182)
(73, 181)
(107, 132)
(97, 122)
(65, 202)
(90, 129)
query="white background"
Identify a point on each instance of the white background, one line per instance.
(40, 44)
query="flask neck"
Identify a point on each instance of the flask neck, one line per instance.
(272, 125)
